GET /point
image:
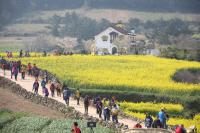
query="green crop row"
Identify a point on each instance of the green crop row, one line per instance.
(19, 123)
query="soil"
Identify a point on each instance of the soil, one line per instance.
(16, 103)
(191, 76)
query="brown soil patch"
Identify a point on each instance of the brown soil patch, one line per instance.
(16, 103)
(191, 76)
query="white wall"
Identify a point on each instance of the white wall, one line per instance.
(105, 44)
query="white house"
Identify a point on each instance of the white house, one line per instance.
(104, 40)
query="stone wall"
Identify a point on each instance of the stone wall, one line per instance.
(69, 112)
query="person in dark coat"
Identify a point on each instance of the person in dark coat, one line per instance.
(157, 123)
(52, 88)
(36, 87)
(15, 72)
(66, 95)
(148, 121)
(86, 103)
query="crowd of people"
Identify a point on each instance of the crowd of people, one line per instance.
(107, 109)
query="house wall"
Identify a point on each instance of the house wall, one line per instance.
(100, 44)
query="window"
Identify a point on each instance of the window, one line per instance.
(104, 38)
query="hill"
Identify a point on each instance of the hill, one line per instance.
(11, 9)
(113, 15)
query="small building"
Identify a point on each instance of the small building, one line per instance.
(104, 41)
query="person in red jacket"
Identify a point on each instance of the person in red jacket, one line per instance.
(75, 128)
(138, 125)
(29, 67)
(180, 129)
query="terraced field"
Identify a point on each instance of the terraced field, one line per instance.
(123, 75)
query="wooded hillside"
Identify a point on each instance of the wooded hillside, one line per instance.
(10, 9)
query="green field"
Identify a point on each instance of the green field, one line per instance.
(21, 123)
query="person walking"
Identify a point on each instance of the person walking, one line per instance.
(15, 72)
(78, 95)
(23, 71)
(86, 103)
(99, 106)
(29, 67)
(21, 53)
(19, 64)
(52, 89)
(11, 67)
(36, 87)
(58, 89)
(66, 95)
(162, 118)
(36, 71)
(46, 92)
(157, 123)
(43, 85)
(106, 110)
(115, 111)
(148, 121)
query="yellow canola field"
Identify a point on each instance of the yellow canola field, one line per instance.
(138, 110)
(172, 121)
(153, 108)
(119, 73)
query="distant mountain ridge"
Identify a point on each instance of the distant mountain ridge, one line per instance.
(10, 9)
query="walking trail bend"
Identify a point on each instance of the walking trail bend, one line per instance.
(28, 85)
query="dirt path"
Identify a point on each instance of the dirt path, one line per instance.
(11, 101)
(28, 82)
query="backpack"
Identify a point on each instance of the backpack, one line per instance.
(43, 83)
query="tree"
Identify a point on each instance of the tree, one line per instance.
(42, 43)
(134, 23)
(90, 46)
(55, 25)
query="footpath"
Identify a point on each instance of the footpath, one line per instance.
(28, 85)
